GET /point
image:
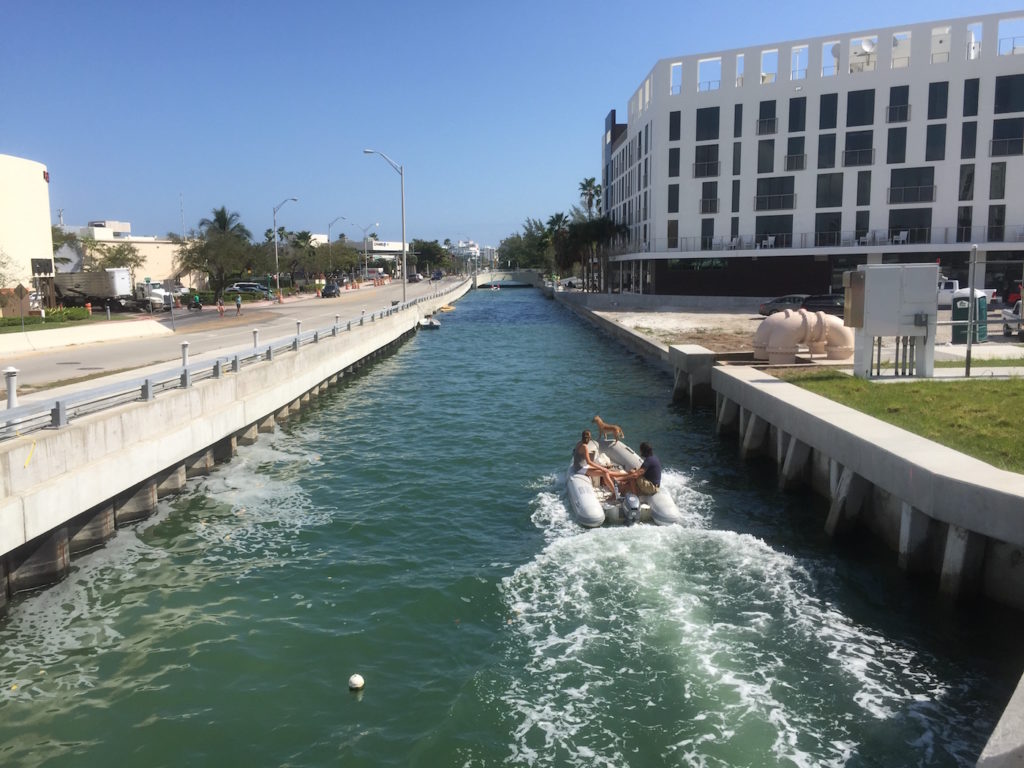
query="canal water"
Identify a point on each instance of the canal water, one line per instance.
(411, 527)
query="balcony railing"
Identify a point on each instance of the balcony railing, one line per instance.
(858, 157)
(709, 85)
(709, 205)
(1004, 147)
(767, 125)
(897, 113)
(898, 195)
(796, 162)
(783, 202)
(704, 170)
(845, 241)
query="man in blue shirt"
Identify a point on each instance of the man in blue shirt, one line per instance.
(645, 479)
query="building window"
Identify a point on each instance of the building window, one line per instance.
(860, 108)
(705, 161)
(709, 197)
(966, 185)
(775, 194)
(707, 234)
(964, 221)
(971, 97)
(672, 233)
(916, 222)
(673, 198)
(734, 227)
(898, 110)
(798, 114)
(737, 121)
(707, 124)
(766, 156)
(830, 190)
(997, 182)
(896, 151)
(767, 122)
(859, 149)
(1009, 94)
(968, 140)
(827, 150)
(996, 222)
(828, 107)
(938, 98)
(674, 125)
(796, 157)
(827, 228)
(862, 226)
(911, 185)
(673, 161)
(736, 158)
(864, 188)
(1007, 137)
(735, 195)
(935, 143)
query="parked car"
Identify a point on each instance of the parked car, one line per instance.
(832, 303)
(254, 288)
(779, 303)
(330, 291)
(415, 277)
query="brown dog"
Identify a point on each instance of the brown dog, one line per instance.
(608, 429)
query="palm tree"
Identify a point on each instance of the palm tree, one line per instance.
(590, 194)
(224, 223)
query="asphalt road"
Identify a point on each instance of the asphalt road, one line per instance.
(206, 333)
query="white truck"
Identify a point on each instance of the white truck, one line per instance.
(1011, 322)
(153, 297)
(99, 288)
(948, 287)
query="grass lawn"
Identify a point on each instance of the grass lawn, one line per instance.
(979, 417)
(52, 325)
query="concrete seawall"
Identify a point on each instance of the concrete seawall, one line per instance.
(66, 490)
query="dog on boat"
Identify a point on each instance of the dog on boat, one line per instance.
(605, 430)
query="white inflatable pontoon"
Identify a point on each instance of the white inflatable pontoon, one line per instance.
(592, 505)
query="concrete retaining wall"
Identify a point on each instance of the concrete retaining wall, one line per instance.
(108, 469)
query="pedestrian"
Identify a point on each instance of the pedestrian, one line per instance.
(220, 305)
(238, 303)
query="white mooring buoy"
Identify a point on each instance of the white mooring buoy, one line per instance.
(356, 683)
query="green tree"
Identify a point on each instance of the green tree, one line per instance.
(590, 195)
(221, 249)
(61, 238)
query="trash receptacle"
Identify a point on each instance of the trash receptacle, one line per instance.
(961, 311)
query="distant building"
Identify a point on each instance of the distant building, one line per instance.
(774, 168)
(159, 252)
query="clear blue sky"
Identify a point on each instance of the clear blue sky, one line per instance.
(495, 109)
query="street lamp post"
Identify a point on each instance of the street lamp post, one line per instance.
(400, 170)
(366, 261)
(330, 252)
(277, 267)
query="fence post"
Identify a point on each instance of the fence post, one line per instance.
(11, 376)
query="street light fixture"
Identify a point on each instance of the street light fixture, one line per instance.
(330, 252)
(400, 170)
(277, 267)
(366, 261)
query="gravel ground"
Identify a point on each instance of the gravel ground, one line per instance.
(734, 332)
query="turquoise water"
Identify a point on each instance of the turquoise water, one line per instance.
(412, 527)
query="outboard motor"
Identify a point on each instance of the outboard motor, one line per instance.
(630, 508)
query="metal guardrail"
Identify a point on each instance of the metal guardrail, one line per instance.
(61, 411)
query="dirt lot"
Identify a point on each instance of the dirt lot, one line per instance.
(734, 331)
(719, 332)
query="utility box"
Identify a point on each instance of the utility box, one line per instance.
(893, 300)
(962, 311)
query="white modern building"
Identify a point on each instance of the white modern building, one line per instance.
(159, 253)
(772, 169)
(24, 219)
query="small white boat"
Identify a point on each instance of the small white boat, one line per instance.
(429, 323)
(592, 505)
